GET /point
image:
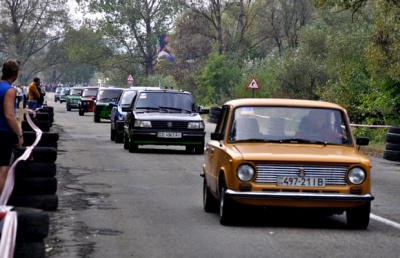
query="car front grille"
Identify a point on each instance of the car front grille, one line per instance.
(334, 175)
(169, 124)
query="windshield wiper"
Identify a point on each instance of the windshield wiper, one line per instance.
(173, 108)
(301, 140)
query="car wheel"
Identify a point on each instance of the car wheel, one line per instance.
(68, 107)
(189, 148)
(126, 141)
(96, 118)
(81, 113)
(118, 137)
(112, 134)
(225, 207)
(210, 204)
(199, 149)
(132, 146)
(358, 218)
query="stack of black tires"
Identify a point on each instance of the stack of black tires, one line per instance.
(35, 187)
(392, 148)
(214, 114)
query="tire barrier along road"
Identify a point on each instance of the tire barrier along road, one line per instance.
(392, 148)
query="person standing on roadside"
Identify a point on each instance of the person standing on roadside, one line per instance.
(25, 92)
(33, 93)
(20, 95)
(10, 132)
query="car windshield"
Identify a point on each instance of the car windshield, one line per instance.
(75, 92)
(289, 125)
(89, 92)
(174, 102)
(65, 90)
(127, 97)
(108, 95)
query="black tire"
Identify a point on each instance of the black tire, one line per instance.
(96, 118)
(210, 204)
(47, 137)
(34, 186)
(33, 224)
(30, 249)
(189, 148)
(393, 138)
(132, 146)
(42, 125)
(81, 113)
(119, 137)
(39, 154)
(38, 117)
(394, 129)
(199, 149)
(68, 107)
(392, 146)
(50, 109)
(43, 202)
(358, 218)
(391, 155)
(126, 141)
(112, 134)
(226, 215)
(35, 169)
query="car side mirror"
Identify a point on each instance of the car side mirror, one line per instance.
(217, 136)
(126, 109)
(94, 98)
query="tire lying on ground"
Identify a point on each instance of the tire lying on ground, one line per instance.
(42, 125)
(38, 117)
(34, 186)
(33, 224)
(39, 154)
(43, 202)
(391, 155)
(48, 139)
(35, 169)
(33, 249)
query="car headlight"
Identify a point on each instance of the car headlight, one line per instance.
(140, 123)
(196, 125)
(245, 172)
(356, 175)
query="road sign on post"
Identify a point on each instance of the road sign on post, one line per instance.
(253, 85)
(130, 80)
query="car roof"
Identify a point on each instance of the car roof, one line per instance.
(156, 89)
(282, 102)
(114, 89)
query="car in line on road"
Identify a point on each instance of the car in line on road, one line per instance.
(102, 107)
(117, 117)
(164, 117)
(73, 98)
(57, 94)
(286, 153)
(86, 100)
(63, 95)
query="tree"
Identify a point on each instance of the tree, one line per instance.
(27, 28)
(132, 28)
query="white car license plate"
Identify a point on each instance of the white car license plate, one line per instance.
(169, 135)
(300, 181)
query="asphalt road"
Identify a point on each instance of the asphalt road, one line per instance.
(149, 204)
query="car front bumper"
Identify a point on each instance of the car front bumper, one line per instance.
(150, 137)
(290, 196)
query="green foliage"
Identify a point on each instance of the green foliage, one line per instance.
(216, 82)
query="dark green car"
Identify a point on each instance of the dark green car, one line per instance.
(102, 107)
(73, 98)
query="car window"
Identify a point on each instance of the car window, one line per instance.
(222, 120)
(174, 100)
(89, 92)
(108, 95)
(127, 97)
(296, 124)
(75, 92)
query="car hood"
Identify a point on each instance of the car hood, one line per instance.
(87, 98)
(74, 97)
(299, 153)
(162, 116)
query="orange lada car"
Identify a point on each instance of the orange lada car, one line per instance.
(286, 153)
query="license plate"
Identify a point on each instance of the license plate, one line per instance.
(169, 135)
(300, 181)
